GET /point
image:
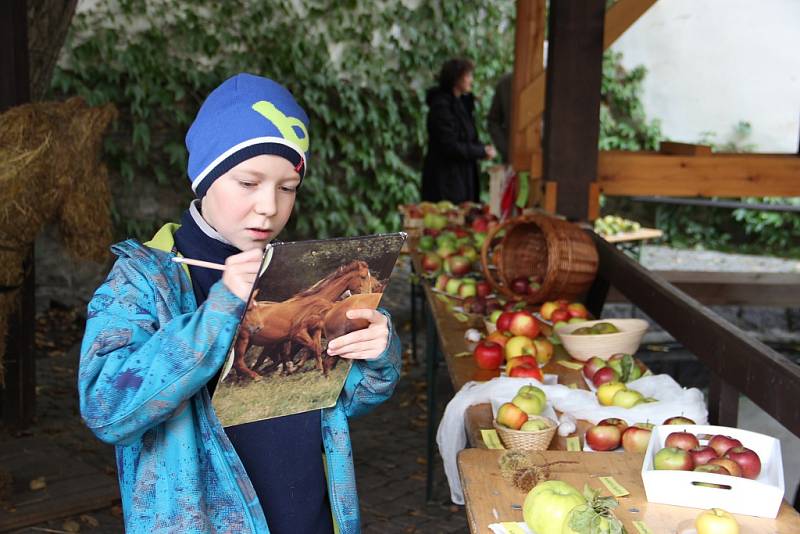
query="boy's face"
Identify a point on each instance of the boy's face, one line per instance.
(250, 204)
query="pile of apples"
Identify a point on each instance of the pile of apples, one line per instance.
(618, 368)
(562, 312)
(722, 455)
(529, 400)
(610, 433)
(618, 394)
(516, 341)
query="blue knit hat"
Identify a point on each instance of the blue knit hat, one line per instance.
(246, 116)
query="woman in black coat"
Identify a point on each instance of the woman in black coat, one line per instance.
(450, 171)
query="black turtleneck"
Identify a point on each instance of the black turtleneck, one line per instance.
(282, 456)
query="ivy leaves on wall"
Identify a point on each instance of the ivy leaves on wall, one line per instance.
(360, 69)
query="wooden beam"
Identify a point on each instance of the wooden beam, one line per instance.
(621, 16)
(755, 370)
(528, 66)
(18, 398)
(720, 175)
(572, 113)
(731, 288)
(618, 18)
(684, 149)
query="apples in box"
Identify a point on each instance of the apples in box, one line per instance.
(760, 497)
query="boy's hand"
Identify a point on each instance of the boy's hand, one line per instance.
(240, 272)
(365, 344)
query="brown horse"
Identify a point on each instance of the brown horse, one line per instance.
(300, 318)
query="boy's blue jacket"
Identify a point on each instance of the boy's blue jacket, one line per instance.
(146, 356)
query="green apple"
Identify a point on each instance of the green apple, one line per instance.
(604, 328)
(534, 425)
(529, 402)
(626, 398)
(494, 315)
(548, 504)
(452, 286)
(607, 392)
(530, 388)
(573, 320)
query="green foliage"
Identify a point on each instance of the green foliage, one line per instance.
(359, 68)
(623, 124)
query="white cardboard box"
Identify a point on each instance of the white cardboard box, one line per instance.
(760, 497)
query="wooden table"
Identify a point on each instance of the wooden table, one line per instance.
(485, 491)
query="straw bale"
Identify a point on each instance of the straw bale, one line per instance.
(50, 171)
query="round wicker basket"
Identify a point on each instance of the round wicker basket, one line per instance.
(558, 252)
(527, 441)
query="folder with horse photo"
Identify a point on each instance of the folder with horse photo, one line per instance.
(278, 364)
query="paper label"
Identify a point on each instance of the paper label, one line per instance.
(575, 366)
(614, 487)
(512, 528)
(462, 354)
(572, 385)
(574, 444)
(461, 317)
(491, 439)
(642, 528)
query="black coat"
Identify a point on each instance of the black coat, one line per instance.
(450, 171)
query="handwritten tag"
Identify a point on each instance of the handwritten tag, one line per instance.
(614, 487)
(572, 385)
(642, 528)
(461, 317)
(491, 439)
(462, 354)
(574, 444)
(443, 298)
(512, 528)
(575, 366)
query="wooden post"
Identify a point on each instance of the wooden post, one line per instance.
(19, 393)
(572, 107)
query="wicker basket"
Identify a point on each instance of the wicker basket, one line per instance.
(527, 441)
(557, 251)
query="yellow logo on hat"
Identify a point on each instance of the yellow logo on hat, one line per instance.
(284, 124)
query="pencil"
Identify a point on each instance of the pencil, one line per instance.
(199, 263)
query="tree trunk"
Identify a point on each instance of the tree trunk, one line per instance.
(48, 22)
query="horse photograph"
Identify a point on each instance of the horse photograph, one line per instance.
(278, 363)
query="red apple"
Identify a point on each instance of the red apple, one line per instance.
(431, 262)
(520, 285)
(711, 468)
(483, 288)
(682, 440)
(520, 360)
(721, 444)
(673, 458)
(523, 323)
(547, 310)
(576, 309)
(488, 355)
(731, 466)
(614, 421)
(559, 315)
(747, 459)
(678, 420)
(480, 224)
(592, 366)
(527, 371)
(511, 416)
(701, 455)
(504, 321)
(562, 304)
(603, 376)
(603, 437)
(636, 439)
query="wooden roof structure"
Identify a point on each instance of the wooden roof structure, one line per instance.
(562, 156)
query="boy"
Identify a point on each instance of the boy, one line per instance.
(156, 338)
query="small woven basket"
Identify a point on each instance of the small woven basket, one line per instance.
(527, 441)
(558, 252)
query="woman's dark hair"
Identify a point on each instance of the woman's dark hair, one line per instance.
(452, 71)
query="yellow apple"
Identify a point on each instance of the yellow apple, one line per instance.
(606, 392)
(519, 346)
(716, 521)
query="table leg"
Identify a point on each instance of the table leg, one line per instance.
(432, 365)
(413, 320)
